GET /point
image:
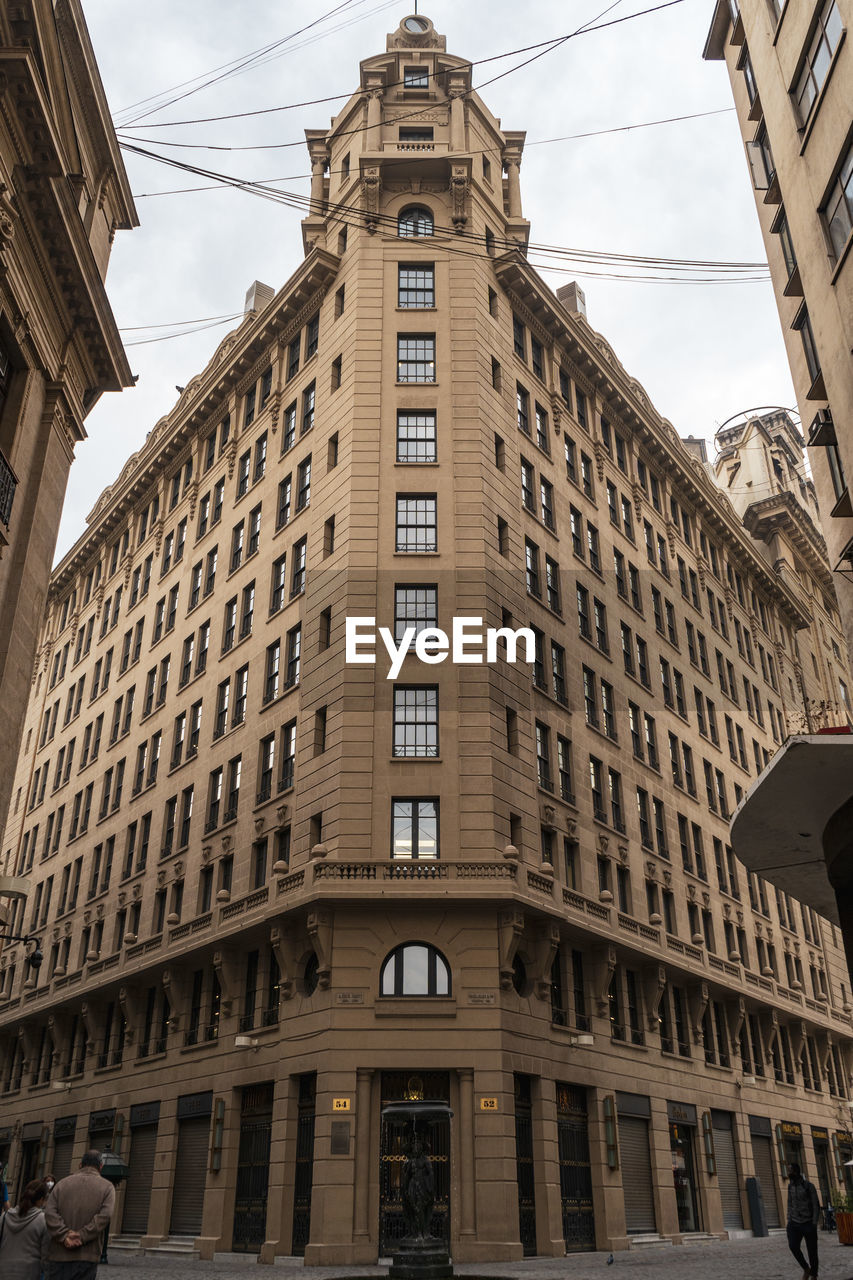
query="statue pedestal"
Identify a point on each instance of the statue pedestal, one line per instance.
(420, 1259)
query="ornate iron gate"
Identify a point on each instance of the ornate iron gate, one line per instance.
(253, 1169)
(524, 1165)
(575, 1172)
(304, 1172)
(396, 1087)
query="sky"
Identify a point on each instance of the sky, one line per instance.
(704, 352)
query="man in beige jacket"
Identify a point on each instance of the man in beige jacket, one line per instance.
(77, 1213)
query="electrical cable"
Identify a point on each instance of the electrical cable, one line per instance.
(248, 61)
(167, 337)
(432, 75)
(349, 215)
(555, 43)
(537, 142)
(132, 328)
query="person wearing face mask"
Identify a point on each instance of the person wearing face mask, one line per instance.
(49, 1182)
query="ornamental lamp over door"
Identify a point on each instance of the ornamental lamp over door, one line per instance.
(115, 1170)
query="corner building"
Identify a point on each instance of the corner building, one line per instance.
(276, 890)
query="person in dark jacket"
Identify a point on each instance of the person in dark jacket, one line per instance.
(77, 1213)
(803, 1217)
(23, 1236)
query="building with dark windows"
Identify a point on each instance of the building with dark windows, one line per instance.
(277, 887)
(63, 195)
(791, 71)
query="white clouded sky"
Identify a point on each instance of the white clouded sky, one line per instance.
(703, 352)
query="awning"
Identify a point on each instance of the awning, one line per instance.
(777, 829)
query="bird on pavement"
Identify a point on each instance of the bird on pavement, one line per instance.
(610, 1261)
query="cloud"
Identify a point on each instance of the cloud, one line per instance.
(702, 352)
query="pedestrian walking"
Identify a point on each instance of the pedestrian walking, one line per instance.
(77, 1213)
(23, 1235)
(4, 1191)
(803, 1217)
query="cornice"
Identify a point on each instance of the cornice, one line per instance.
(239, 353)
(43, 192)
(628, 402)
(781, 511)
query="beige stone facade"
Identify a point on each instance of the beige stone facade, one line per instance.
(276, 890)
(791, 74)
(63, 195)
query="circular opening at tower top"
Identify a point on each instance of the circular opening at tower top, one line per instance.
(415, 24)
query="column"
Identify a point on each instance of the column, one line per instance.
(318, 172)
(373, 142)
(467, 1171)
(513, 166)
(363, 1082)
(457, 120)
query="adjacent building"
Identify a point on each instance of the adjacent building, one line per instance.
(276, 889)
(791, 74)
(63, 195)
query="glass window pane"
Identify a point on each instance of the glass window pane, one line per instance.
(415, 971)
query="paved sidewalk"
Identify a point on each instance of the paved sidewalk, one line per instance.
(714, 1260)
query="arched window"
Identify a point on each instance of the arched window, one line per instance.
(415, 221)
(415, 969)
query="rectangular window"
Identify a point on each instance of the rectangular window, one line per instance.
(416, 436)
(528, 481)
(300, 560)
(522, 409)
(416, 357)
(546, 503)
(414, 828)
(416, 285)
(312, 337)
(288, 429)
(415, 721)
(803, 325)
(309, 396)
(241, 686)
(417, 529)
(293, 657)
(837, 209)
(415, 78)
(414, 606)
(303, 484)
(519, 338)
(824, 41)
(278, 585)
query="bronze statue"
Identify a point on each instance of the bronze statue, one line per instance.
(418, 1190)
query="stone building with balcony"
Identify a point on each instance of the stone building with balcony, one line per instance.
(63, 195)
(791, 73)
(276, 889)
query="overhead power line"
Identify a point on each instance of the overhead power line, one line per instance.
(248, 61)
(544, 47)
(348, 213)
(535, 142)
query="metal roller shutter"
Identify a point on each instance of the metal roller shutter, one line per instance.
(137, 1196)
(62, 1151)
(190, 1176)
(724, 1148)
(762, 1153)
(635, 1159)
